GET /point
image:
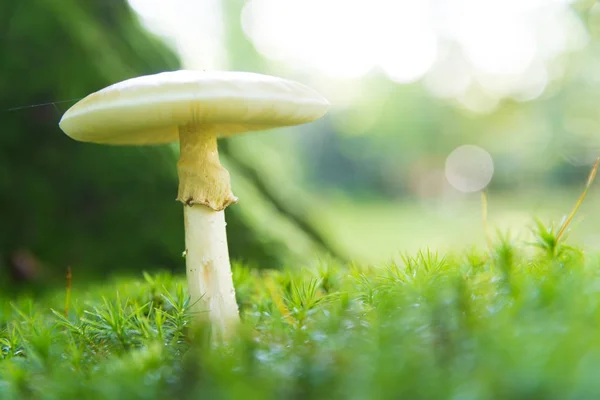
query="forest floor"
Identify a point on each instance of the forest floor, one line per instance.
(514, 320)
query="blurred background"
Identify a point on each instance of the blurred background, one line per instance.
(433, 102)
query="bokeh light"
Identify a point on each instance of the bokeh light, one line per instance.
(396, 36)
(469, 168)
(491, 50)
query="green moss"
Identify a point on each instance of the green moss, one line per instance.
(515, 322)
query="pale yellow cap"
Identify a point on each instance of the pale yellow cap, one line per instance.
(149, 109)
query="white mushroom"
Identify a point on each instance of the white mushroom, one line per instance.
(196, 108)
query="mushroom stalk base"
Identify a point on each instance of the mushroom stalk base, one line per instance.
(209, 274)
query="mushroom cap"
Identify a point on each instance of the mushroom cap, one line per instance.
(150, 109)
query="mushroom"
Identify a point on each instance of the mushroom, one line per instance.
(196, 108)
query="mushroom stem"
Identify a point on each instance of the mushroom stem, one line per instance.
(205, 191)
(202, 178)
(209, 277)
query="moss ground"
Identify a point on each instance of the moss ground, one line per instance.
(518, 321)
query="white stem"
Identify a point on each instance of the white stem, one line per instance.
(209, 274)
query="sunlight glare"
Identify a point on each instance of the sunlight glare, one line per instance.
(304, 33)
(407, 43)
(344, 38)
(475, 51)
(450, 76)
(194, 27)
(495, 36)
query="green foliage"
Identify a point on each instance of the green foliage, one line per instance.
(108, 206)
(512, 322)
